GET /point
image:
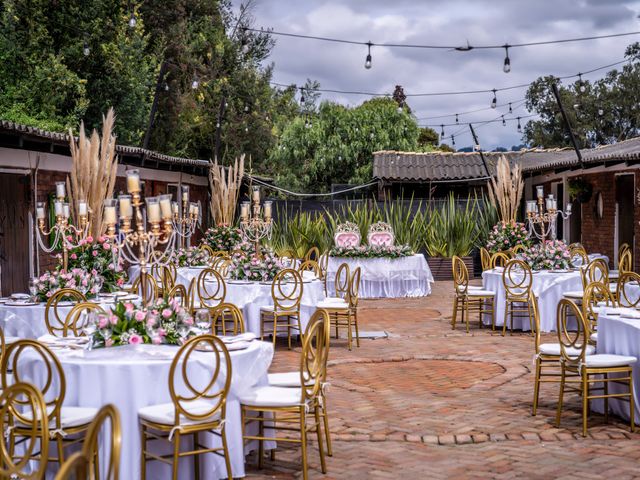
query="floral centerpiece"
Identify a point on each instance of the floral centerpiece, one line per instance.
(164, 322)
(245, 266)
(87, 282)
(506, 235)
(98, 256)
(550, 255)
(191, 257)
(372, 251)
(222, 237)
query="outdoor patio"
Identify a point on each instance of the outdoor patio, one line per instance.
(429, 402)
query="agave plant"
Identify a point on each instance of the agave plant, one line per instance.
(408, 227)
(300, 232)
(450, 229)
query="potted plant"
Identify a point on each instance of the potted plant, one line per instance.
(579, 190)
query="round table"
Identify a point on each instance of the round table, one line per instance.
(548, 287)
(386, 277)
(131, 377)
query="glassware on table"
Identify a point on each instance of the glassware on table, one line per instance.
(33, 288)
(203, 320)
(98, 282)
(89, 328)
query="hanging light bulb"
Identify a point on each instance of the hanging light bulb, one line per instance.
(494, 101)
(85, 49)
(510, 109)
(519, 126)
(132, 21)
(442, 131)
(246, 129)
(456, 118)
(267, 118)
(226, 104)
(581, 85)
(600, 111)
(371, 136)
(166, 87)
(504, 122)
(453, 140)
(246, 108)
(195, 84)
(400, 109)
(367, 62)
(217, 124)
(506, 68)
(301, 94)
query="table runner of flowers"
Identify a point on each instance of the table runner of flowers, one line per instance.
(86, 282)
(97, 256)
(550, 255)
(372, 251)
(191, 257)
(246, 266)
(506, 235)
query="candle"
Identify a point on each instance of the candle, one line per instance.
(185, 193)
(133, 181)
(165, 205)
(57, 207)
(110, 215)
(554, 204)
(174, 208)
(40, 210)
(126, 210)
(540, 191)
(244, 210)
(267, 210)
(569, 206)
(60, 190)
(531, 206)
(153, 210)
(82, 208)
(65, 210)
(549, 203)
(256, 194)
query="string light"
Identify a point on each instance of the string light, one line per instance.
(506, 68)
(457, 118)
(367, 62)
(504, 122)
(301, 94)
(217, 124)
(600, 111)
(510, 109)
(195, 84)
(442, 132)
(453, 141)
(519, 126)
(581, 86)
(132, 20)
(494, 102)
(85, 49)
(246, 108)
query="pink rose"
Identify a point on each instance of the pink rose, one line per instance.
(102, 239)
(151, 322)
(102, 322)
(135, 339)
(156, 340)
(120, 282)
(166, 313)
(113, 319)
(162, 332)
(188, 321)
(94, 253)
(89, 239)
(74, 256)
(106, 246)
(139, 316)
(108, 342)
(128, 307)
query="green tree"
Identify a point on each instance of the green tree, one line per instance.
(428, 138)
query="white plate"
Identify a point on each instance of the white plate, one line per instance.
(19, 296)
(11, 303)
(238, 282)
(199, 267)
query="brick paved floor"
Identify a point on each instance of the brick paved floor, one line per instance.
(429, 402)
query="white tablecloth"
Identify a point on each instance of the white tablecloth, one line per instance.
(548, 288)
(385, 277)
(620, 336)
(132, 377)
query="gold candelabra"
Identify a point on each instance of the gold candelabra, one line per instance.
(66, 234)
(256, 222)
(542, 215)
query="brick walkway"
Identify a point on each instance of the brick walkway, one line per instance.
(429, 402)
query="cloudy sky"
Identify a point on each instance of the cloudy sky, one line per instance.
(445, 22)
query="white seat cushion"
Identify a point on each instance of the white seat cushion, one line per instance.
(603, 360)
(272, 397)
(70, 416)
(286, 379)
(594, 337)
(469, 287)
(554, 349)
(574, 294)
(270, 308)
(164, 413)
(325, 304)
(480, 292)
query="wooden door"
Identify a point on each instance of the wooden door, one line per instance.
(14, 232)
(624, 200)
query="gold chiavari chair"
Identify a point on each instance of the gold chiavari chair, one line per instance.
(517, 249)
(78, 317)
(66, 425)
(623, 248)
(210, 289)
(289, 253)
(578, 257)
(20, 404)
(286, 293)
(628, 290)
(76, 467)
(499, 259)
(113, 432)
(165, 276)
(289, 409)
(485, 259)
(145, 286)
(55, 314)
(309, 266)
(580, 370)
(191, 293)
(227, 319)
(208, 250)
(221, 265)
(312, 254)
(469, 300)
(625, 262)
(341, 282)
(178, 291)
(198, 405)
(575, 245)
(596, 295)
(517, 281)
(323, 263)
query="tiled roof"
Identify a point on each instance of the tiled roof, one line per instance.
(438, 166)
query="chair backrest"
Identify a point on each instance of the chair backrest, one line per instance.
(164, 275)
(315, 353)
(499, 259)
(597, 271)
(221, 265)
(517, 280)
(207, 250)
(628, 289)
(147, 287)
(575, 245)
(517, 249)
(625, 261)
(76, 467)
(535, 313)
(578, 256)
(595, 294)
(178, 291)
(342, 280)
(106, 422)
(227, 319)
(347, 235)
(286, 290)
(54, 318)
(573, 340)
(23, 403)
(460, 275)
(323, 264)
(190, 385)
(312, 254)
(354, 287)
(621, 249)
(51, 380)
(210, 288)
(78, 318)
(380, 234)
(310, 266)
(485, 259)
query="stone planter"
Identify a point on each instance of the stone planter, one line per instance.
(441, 267)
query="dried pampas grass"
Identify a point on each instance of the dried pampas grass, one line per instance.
(93, 174)
(505, 190)
(225, 190)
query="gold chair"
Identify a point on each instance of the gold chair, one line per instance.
(312, 254)
(342, 282)
(625, 262)
(145, 286)
(208, 250)
(517, 281)
(575, 245)
(227, 319)
(499, 259)
(78, 317)
(20, 404)
(76, 467)
(197, 406)
(286, 293)
(113, 432)
(221, 265)
(485, 259)
(517, 249)
(310, 266)
(286, 408)
(165, 276)
(628, 290)
(578, 257)
(469, 300)
(178, 291)
(66, 425)
(578, 368)
(323, 264)
(623, 248)
(53, 317)
(211, 289)
(595, 295)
